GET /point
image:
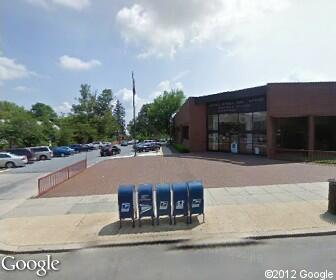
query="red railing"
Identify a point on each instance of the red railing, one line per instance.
(51, 180)
(305, 155)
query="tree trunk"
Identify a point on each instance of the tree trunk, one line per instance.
(332, 196)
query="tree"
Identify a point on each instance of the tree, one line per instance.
(163, 108)
(144, 125)
(43, 112)
(47, 119)
(91, 118)
(18, 127)
(119, 114)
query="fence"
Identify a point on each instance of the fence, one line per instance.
(305, 155)
(51, 180)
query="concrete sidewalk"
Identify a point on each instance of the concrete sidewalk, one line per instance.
(231, 213)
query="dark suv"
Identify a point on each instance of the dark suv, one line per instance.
(24, 152)
(109, 150)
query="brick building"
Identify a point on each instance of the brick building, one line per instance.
(270, 120)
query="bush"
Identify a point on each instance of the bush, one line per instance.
(180, 148)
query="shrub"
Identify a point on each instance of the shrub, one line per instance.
(180, 148)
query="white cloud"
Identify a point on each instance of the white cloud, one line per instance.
(64, 108)
(161, 28)
(21, 88)
(300, 75)
(166, 85)
(74, 63)
(10, 70)
(72, 4)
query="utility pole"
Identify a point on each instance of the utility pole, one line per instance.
(134, 126)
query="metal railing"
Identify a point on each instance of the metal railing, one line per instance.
(305, 155)
(51, 180)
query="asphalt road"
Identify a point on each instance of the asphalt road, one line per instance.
(313, 254)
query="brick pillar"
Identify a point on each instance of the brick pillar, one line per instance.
(311, 133)
(271, 137)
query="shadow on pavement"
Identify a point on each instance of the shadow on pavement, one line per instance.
(330, 218)
(237, 159)
(147, 227)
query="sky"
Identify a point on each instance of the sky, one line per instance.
(49, 47)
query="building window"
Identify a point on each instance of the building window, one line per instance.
(248, 130)
(213, 122)
(259, 121)
(325, 133)
(292, 133)
(185, 132)
(245, 122)
(228, 123)
(213, 141)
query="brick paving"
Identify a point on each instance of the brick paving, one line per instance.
(214, 169)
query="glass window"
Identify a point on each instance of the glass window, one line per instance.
(228, 123)
(245, 121)
(213, 122)
(259, 121)
(213, 141)
(246, 143)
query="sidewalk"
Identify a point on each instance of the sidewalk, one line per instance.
(231, 213)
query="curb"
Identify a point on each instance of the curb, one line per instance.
(178, 243)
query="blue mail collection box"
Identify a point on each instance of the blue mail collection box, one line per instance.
(145, 202)
(126, 202)
(163, 201)
(180, 200)
(196, 198)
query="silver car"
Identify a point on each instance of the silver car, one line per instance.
(9, 160)
(42, 152)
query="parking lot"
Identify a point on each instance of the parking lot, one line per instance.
(18, 184)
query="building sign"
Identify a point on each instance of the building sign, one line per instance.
(245, 105)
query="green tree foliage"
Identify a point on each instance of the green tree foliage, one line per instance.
(48, 120)
(43, 112)
(119, 115)
(154, 118)
(91, 117)
(18, 127)
(163, 108)
(144, 125)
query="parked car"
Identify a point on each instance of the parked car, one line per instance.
(42, 152)
(92, 146)
(146, 147)
(31, 157)
(76, 147)
(124, 143)
(62, 151)
(109, 150)
(9, 160)
(97, 145)
(85, 148)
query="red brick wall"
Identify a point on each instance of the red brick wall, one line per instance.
(194, 116)
(198, 127)
(301, 99)
(298, 100)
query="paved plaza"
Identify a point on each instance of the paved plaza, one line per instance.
(216, 170)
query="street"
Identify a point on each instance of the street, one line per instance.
(18, 184)
(297, 255)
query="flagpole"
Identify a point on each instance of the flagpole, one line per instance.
(134, 126)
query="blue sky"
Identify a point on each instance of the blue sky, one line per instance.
(49, 47)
